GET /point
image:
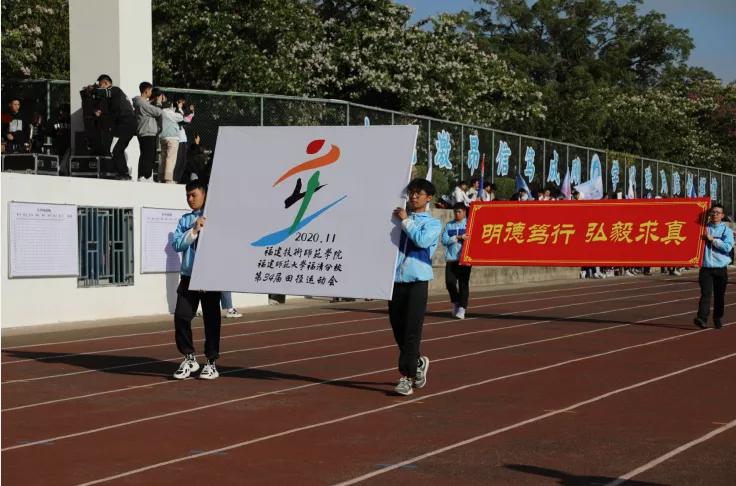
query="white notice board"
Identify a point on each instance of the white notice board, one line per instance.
(43, 240)
(157, 230)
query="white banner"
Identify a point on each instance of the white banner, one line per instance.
(305, 210)
(43, 240)
(157, 231)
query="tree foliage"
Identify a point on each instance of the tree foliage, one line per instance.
(594, 72)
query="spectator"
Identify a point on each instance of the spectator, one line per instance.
(169, 138)
(36, 134)
(474, 191)
(146, 114)
(181, 155)
(459, 195)
(197, 161)
(14, 128)
(111, 117)
(489, 192)
(61, 137)
(226, 303)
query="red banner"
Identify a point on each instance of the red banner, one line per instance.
(609, 232)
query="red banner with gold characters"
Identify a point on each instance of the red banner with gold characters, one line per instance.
(609, 232)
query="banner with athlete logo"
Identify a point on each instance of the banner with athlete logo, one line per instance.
(304, 210)
(611, 233)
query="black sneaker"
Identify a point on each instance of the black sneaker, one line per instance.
(717, 323)
(699, 322)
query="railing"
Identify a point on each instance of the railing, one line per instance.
(105, 246)
(505, 153)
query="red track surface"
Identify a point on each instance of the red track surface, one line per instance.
(578, 383)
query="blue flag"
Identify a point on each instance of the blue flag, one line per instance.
(521, 184)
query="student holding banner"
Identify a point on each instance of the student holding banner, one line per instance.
(713, 276)
(419, 236)
(185, 241)
(457, 277)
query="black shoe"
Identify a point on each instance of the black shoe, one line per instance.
(717, 323)
(122, 177)
(699, 322)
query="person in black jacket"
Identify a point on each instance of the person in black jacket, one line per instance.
(109, 113)
(15, 128)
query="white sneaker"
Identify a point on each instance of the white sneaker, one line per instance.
(405, 386)
(460, 314)
(209, 372)
(199, 312)
(677, 273)
(187, 367)
(141, 179)
(422, 371)
(628, 273)
(233, 313)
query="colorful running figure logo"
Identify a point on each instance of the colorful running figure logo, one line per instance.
(313, 185)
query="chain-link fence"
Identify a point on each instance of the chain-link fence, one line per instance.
(457, 151)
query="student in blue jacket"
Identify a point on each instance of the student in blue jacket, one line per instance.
(419, 236)
(185, 241)
(713, 276)
(457, 277)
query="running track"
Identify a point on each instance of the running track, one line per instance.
(589, 382)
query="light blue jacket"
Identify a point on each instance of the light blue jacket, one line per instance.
(453, 246)
(419, 237)
(717, 252)
(184, 241)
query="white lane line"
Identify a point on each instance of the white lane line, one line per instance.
(149, 361)
(672, 453)
(311, 326)
(320, 314)
(487, 434)
(426, 397)
(300, 387)
(324, 356)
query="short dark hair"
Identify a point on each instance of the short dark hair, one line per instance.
(144, 86)
(474, 180)
(460, 183)
(419, 184)
(459, 205)
(718, 205)
(104, 77)
(196, 184)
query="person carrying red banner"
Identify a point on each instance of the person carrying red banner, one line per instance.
(419, 237)
(457, 277)
(713, 276)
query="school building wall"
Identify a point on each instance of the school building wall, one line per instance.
(36, 301)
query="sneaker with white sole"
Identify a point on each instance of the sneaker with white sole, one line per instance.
(422, 370)
(187, 367)
(460, 314)
(209, 372)
(405, 386)
(233, 313)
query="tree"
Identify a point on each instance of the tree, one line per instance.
(35, 39)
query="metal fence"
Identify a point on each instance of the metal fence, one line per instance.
(455, 148)
(105, 246)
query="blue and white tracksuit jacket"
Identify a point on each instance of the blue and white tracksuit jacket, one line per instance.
(184, 241)
(453, 246)
(717, 252)
(419, 237)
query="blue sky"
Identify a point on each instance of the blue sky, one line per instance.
(712, 25)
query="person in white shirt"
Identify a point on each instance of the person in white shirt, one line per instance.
(474, 192)
(489, 192)
(459, 195)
